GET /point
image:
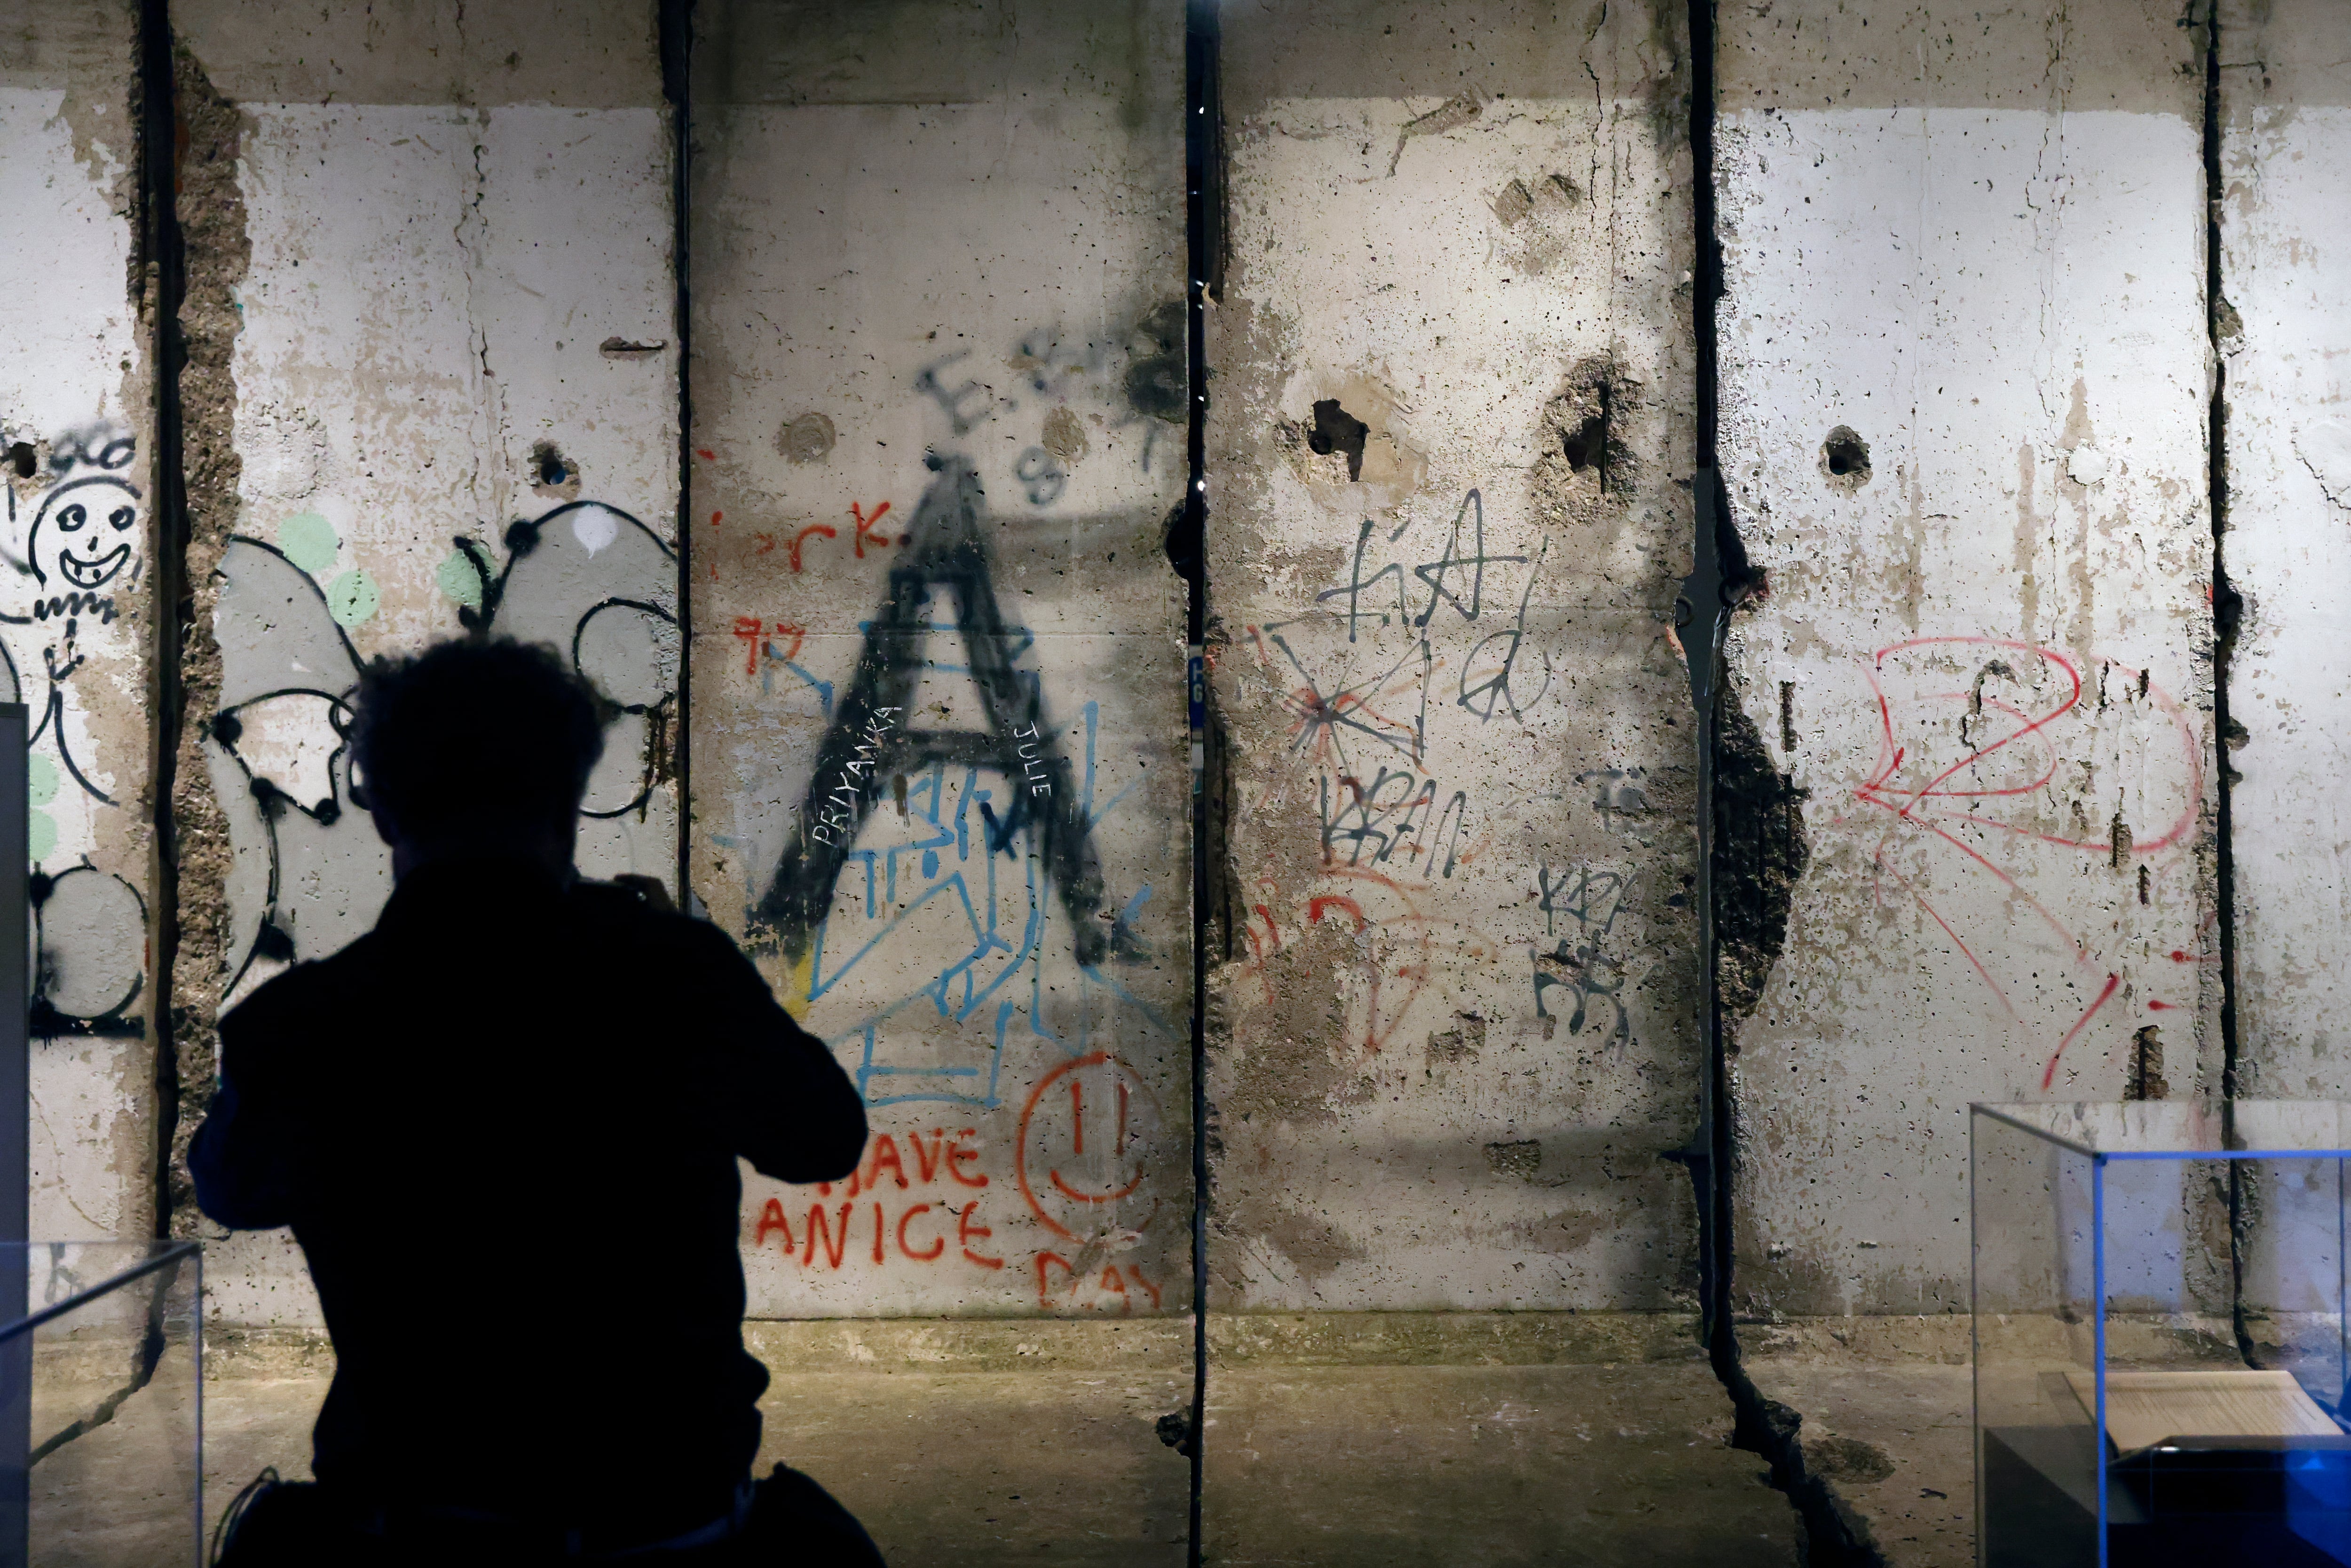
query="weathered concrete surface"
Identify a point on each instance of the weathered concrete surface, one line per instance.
(1887, 1405)
(1963, 392)
(956, 1443)
(2285, 217)
(1455, 988)
(938, 719)
(77, 641)
(454, 399)
(1894, 1446)
(113, 1412)
(1411, 1465)
(1412, 1438)
(1464, 1437)
(123, 1494)
(972, 1467)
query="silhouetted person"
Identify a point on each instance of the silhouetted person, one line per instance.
(504, 1128)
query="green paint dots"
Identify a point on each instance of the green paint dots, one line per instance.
(40, 788)
(459, 581)
(308, 541)
(353, 597)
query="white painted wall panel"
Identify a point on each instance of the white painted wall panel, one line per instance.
(2286, 260)
(1976, 244)
(939, 385)
(75, 613)
(1457, 999)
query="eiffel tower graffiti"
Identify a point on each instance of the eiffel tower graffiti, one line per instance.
(872, 735)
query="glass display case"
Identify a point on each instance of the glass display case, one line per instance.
(100, 1386)
(2160, 1357)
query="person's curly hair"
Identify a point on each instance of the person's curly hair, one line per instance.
(475, 734)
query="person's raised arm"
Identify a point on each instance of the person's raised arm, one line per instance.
(784, 1100)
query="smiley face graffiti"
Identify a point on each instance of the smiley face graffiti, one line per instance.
(84, 535)
(74, 541)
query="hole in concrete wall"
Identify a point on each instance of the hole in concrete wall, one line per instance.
(23, 459)
(1845, 455)
(551, 470)
(1586, 444)
(1336, 430)
(2146, 1080)
(1585, 465)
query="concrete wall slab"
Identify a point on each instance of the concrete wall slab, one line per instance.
(1968, 779)
(1457, 990)
(450, 398)
(938, 721)
(2285, 210)
(76, 629)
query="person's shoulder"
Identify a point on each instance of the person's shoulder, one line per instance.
(640, 905)
(295, 998)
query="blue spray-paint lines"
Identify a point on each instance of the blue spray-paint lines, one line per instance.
(990, 840)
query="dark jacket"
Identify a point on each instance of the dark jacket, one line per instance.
(504, 1126)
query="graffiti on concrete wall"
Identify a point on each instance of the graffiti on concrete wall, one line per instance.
(1429, 622)
(1580, 907)
(311, 872)
(1045, 817)
(921, 1198)
(953, 898)
(77, 544)
(2013, 768)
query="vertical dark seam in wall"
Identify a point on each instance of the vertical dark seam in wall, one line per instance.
(2227, 612)
(677, 26)
(1203, 213)
(1711, 1168)
(1720, 575)
(164, 275)
(1202, 123)
(161, 276)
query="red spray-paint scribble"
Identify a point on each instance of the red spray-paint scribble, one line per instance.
(748, 627)
(1940, 803)
(865, 527)
(826, 529)
(1394, 940)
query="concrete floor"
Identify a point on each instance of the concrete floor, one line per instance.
(1888, 1408)
(122, 1494)
(1351, 1442)
(1895, 1444)
(1373, 1466)
(1394, 1438)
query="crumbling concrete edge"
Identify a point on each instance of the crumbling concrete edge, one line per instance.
(209, 131)
(1835, 1535)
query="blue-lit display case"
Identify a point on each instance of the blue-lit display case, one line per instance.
(2160, 1359)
